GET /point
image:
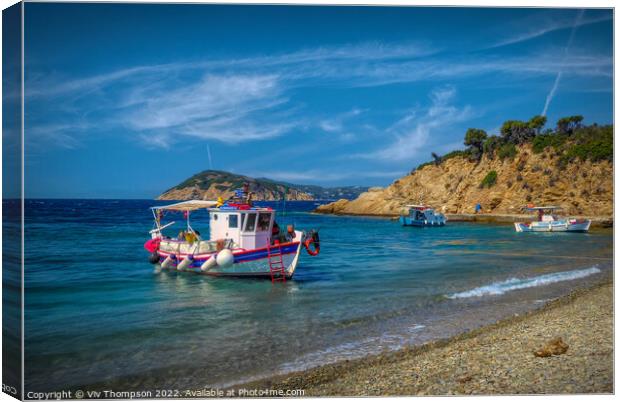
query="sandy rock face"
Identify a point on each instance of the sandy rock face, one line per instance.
(454, 186)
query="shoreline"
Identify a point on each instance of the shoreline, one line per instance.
(597, 221)
(493, 359)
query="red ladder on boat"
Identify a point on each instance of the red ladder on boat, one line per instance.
(276, 265)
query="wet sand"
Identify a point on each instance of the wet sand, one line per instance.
(496, 359)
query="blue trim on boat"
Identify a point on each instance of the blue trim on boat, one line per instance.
(247, 257)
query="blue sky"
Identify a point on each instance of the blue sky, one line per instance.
(125, 101)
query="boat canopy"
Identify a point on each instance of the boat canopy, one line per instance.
(190, 205)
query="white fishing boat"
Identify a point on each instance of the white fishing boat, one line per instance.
(422, 215)
(549, 222)
(244, 241)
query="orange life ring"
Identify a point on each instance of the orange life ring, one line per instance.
(312, 243)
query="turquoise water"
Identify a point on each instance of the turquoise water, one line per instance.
(96, 311)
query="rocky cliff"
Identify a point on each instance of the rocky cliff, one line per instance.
(457, 184)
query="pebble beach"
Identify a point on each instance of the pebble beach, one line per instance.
(495, 359)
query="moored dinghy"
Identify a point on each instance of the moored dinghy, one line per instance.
(244, 241)
(548, 222)
(422, 215)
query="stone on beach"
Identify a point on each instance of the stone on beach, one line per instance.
(556, 346)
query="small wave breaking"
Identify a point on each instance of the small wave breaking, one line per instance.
(499, 288)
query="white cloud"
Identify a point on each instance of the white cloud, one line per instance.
(412, 132)
(233, 100)
(336, 123)
(223, 108)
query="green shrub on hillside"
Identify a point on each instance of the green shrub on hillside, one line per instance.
(491, 145)
(517, 132)
(508, 150)
(438, 160)
(489, 180)
(422, 165)
(474, 140)
(455, 154)
(570, 140)
(594, 143)
(542, 141)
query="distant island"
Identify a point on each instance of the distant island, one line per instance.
(210, 184)
(570, 166)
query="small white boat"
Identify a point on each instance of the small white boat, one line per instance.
(422, 215)
(548, 222)
(244, 241)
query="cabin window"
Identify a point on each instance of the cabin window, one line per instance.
(214, 217)
(263, 222)
(250, 223)
(233, 221)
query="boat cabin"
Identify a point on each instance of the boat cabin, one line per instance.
(417, 212)
(249, 228)
(240, 225)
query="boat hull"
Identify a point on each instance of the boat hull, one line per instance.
(554, 226)
(406, 221)
(247, 263)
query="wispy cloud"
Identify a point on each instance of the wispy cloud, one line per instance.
(411, 133)
(335, 123)
(245, 99)
(224, 108)
(61, 135)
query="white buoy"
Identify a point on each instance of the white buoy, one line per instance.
(168, 261)
(225, 258)
(185, 263)
(210, 263)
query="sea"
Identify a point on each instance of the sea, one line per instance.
(97, 313)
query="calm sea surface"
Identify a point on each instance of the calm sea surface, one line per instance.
(97, 311)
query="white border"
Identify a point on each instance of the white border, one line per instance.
(457, 3)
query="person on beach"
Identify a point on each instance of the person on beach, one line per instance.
(478, 208)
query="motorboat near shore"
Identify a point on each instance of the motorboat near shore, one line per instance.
(422, 215)
(548, 222)
(244, 241)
